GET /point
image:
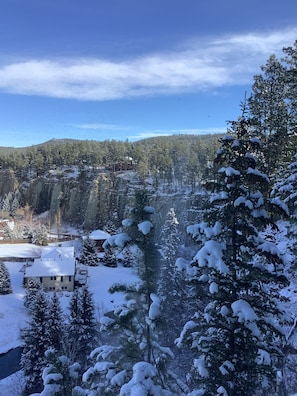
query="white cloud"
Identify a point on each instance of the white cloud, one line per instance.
(198, 66)
(100, 127)
(170, 132)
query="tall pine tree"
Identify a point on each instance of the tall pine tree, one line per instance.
(132, 326)
(269, 112)
(5, 283)
(238, 335)
(36, 342)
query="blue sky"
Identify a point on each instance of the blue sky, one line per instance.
(130, 69)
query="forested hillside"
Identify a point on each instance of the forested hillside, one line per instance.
(86, 181)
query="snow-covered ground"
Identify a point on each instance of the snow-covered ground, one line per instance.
(13, 314)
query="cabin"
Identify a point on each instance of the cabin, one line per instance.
(54, 270)
(125, 164)
(99, 237)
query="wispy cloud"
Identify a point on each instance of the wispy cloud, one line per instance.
(170, 132)
(100, 127)
(198, 66)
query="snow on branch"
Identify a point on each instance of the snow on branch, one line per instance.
(221, 196)
(279, 203)
(195, 230)
(154, 311)
(229, 171)
(200, 366)
(118, 240)
(243, 311)
(271, 248)
(211, 255)
(145, 227)
(243, 201)
(259, 174)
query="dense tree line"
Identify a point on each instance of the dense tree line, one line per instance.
(169, 157)
(58, 346)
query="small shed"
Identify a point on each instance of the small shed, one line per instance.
(99, 237)
(55, 269)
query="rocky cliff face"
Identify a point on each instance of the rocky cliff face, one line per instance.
(86, 197)
(90, 197)
(8, 182)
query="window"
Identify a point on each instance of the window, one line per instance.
(40, 279)
(53, 277)
(62, 278)
(70, 278)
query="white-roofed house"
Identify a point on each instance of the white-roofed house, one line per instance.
(55, 269)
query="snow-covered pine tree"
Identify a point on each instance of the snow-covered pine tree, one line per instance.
(170, 240)
(291, 84)
(73, 328)
(132, 326)
(109, 258)
(171, 286)
(32, 289)
(89, 326)
(36, 342)
(110, 228)
(60, 376)
(56, 325)
(8, 233)
(285, 189)
(81, 330)
(269, 111)
(239, 334)
(40, 236)
(127, 257)
(89, 254)
(5, 283)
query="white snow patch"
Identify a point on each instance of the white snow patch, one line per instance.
(213, 288)
(243, 311)
(229, 171)
(200, 366)
(211, 255)
(145, 227)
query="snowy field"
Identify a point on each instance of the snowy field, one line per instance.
(13, 314)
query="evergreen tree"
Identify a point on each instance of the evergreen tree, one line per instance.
(56, 327)
(60, 376)
(132, 326)
(81, 329)
(32, 289)
(89, 332)
(36, 342)
(291, 83)
(269, 111)
(127, 257)
(74, 326)
(5, 283)
(8, 233)
(171, 288)
(89, 254)
(238, 336)
(109, 259)
(40, 236)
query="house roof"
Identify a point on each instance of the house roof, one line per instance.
(98, 235)
(58, 253)
(53, 262)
